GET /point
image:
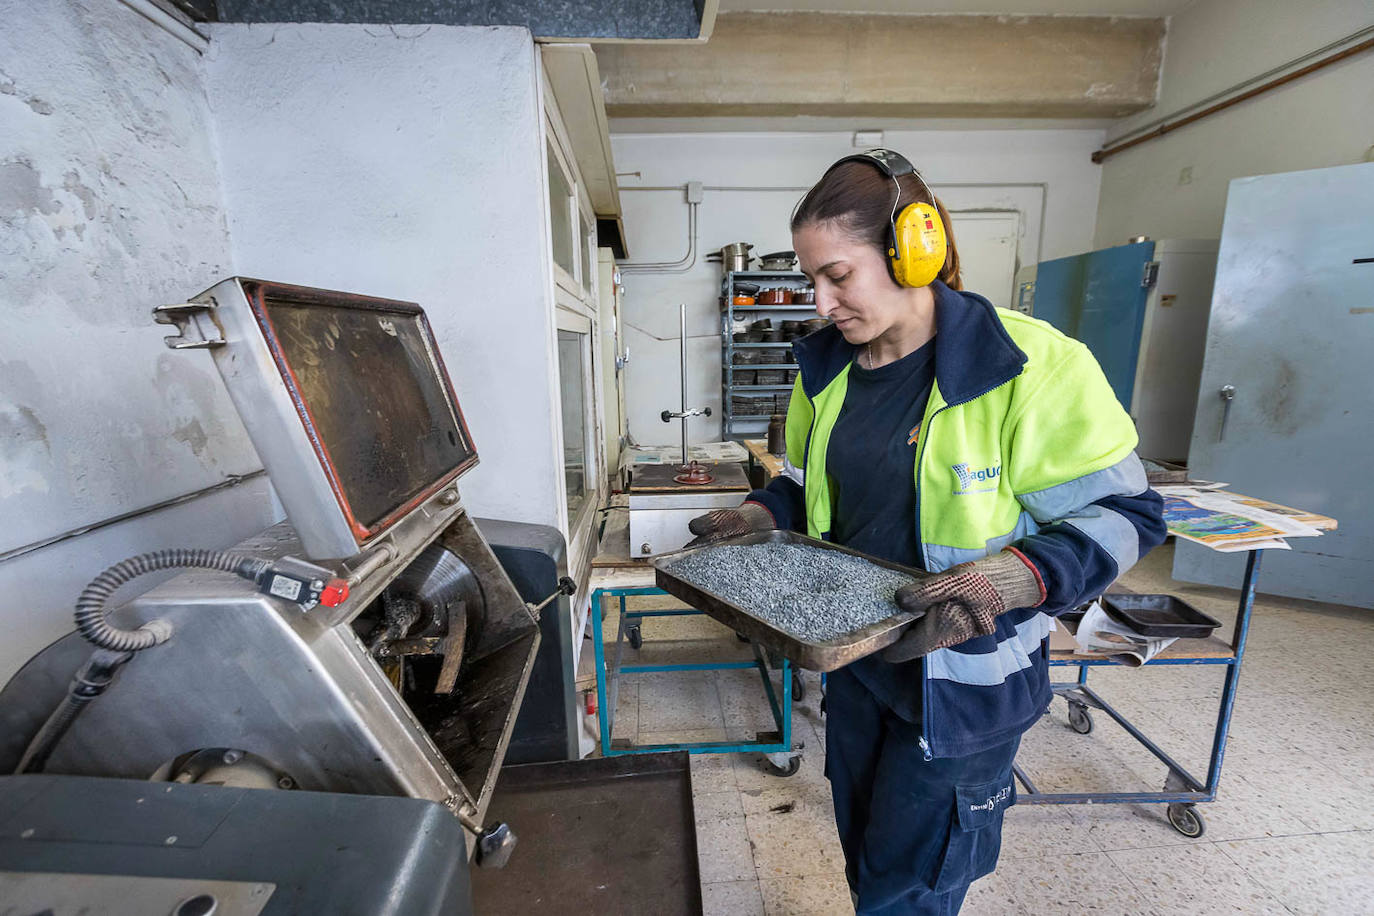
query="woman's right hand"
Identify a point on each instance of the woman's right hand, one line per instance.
(730, 523)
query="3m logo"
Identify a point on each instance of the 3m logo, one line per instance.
(981, 480)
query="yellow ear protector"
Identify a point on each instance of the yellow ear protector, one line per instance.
(917, 243)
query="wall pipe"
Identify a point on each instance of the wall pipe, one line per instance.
(1042, 186)
(682, 264)
(1166, 126)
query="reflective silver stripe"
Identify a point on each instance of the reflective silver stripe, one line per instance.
(1052, 504)
(793, 473)
(941, 557)
(1113, 531)
(990, 669)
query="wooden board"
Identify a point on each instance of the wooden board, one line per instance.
(758, 449)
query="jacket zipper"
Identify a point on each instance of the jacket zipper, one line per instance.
(924, 741)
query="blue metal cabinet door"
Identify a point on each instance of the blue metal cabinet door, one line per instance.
(1098, 298)
(1059, 292)
(1292, 330)
(1113, 311)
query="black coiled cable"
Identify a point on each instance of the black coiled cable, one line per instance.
(90, 607)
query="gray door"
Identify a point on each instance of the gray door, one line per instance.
(1292, 330)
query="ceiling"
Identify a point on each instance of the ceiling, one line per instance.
(1152, 8)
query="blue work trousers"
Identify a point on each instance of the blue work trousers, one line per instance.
(915, 832)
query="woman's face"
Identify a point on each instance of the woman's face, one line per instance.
(853, 286)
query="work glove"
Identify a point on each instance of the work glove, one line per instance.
(963, 602)
(730, 523)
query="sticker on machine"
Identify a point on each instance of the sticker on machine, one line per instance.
(283, 587)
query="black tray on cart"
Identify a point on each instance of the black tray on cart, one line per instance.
(1159, 615)
(816, 655)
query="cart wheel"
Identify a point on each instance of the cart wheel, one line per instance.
(1186, 819)
(793, 765)
(636, 636)
(798, 687)
(1080, 720)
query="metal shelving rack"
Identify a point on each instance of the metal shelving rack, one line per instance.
(751, 426)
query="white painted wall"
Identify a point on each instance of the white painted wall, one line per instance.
(109, 205)
(1011, 162)
(1323, 119)
(407, 162)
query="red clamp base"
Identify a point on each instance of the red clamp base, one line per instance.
(694, 475)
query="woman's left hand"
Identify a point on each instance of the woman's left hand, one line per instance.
(963, 602)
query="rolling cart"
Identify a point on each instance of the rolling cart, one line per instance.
(776, 746)
(1182, 791)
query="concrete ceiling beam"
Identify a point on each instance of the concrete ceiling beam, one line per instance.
(892, 66)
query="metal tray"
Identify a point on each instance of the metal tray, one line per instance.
(823, 655)
(1159, 615)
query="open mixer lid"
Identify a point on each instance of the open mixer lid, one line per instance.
(345, 397)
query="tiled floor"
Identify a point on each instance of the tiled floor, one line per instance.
(1291, 832)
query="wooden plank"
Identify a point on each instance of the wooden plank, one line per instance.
(758, 448)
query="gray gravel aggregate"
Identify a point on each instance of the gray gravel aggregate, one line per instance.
(812, 593)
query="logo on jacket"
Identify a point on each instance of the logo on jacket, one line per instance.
(915, 434)
(980, 480)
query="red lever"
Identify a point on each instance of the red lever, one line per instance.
(334, 593)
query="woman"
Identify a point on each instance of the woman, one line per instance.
(930, 429)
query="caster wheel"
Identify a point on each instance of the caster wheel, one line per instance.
(798, 687)
(1186, 820)
(790, 769)
(636, 636)
(1080, 720)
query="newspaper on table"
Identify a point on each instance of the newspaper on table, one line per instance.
(1228, 522)
(1102, 637)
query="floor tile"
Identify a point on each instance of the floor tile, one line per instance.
(1081, 883)
(812, 895)
(809, 796)
(716, 806)
(626, 723)
(677, 700)
(1032, 831)
(1199, 880)
(731, 898)
(992, 896)
(743, 700)
(1115, 826)
(1317, 874)
(793, 844)
(724, 852)
(682, 736)
(712, 773)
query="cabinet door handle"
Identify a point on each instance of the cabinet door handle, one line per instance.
(1228, 394)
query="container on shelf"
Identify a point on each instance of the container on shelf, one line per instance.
(770, 377)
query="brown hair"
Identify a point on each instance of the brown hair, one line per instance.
(858, 197)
